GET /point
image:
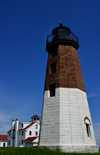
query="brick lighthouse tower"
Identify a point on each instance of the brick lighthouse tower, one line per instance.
(66, 123)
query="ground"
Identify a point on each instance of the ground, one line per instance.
(35, 151)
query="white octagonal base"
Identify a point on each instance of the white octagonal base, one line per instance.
(66, 124)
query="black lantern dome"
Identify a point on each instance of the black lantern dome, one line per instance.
(62, 35)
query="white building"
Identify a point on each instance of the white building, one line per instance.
(3, 140)
(24, 134)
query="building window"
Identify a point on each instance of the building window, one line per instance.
(19, 142)
(8, 142)
(35, 142)
(22, 133)
(53, 68)
(34, 119)
(88, 130)
(36, 133)
(22, 142)
(30, 132)
(22, 125)
(54, 52)
(37, 118)
(36, 126)
(52, 90)
(19, 133)
(3, 144)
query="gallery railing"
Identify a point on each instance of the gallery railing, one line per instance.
(60, 36)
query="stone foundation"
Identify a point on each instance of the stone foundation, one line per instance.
(73, 148)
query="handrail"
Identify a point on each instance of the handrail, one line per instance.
(71, 36)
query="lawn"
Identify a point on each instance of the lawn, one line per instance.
(35, 151)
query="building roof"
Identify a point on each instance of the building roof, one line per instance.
(30, 139)
(9, 131)
(3, 137)
(27, 126)
(35, 116)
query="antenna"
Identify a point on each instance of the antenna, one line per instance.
(61, 23)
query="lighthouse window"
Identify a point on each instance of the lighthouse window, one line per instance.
(88, 130)
(54, 52)
(53, 68)
(52, 90)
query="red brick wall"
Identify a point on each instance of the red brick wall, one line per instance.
(68, 71)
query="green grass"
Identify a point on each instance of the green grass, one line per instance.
(35, 151)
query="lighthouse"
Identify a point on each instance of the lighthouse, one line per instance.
(66, 124)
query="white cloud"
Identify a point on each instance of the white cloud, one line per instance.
(97, 124)
(98, 138)
(20, 108)
(4, 129)
(97, 133)
(92, 95)
(5, 120)
(4, 117)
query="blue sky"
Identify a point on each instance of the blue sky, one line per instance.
(24, 26)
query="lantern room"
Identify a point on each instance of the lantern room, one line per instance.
(62, 35)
